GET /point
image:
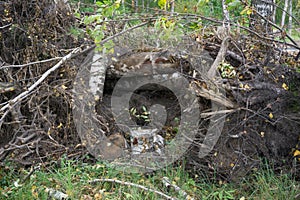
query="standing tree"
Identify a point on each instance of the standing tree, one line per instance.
(263, 14)
(225, 12)
(283, 16)
(290, 16)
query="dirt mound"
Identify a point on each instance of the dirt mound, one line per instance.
(261, 105)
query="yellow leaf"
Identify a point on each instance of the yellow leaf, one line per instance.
(162, 3)
(64, 87)
(271, 115)
(284, 86)
(247, 86)
(246, 10)
(231, 165)
(296, 153)
(249, 11)
(60, 125)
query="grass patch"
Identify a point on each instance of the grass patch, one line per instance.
(73, 179)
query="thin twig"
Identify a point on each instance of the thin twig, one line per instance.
(288, 14)
(207, 114)
(239, 26)
(5, 26)
(168, 184)
(112, 37)
(280, 29)
(122, 32)
(134, 185)
(40, 80)
(32, 63)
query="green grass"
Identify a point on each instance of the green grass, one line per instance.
(72, 178)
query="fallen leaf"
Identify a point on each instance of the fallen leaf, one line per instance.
(284, 86)
(271, 115)
(296, 153)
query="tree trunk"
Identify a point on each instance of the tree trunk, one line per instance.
(274, 13)
(136, 5)
(172, 3)
(123, 4)
(286, 2)
(148, 4)
(225, 12)
(290, 16)
(260, 20)
(143, 5)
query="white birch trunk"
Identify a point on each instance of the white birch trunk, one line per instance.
(172, 6)
(290, 16)
(225, 12)
(136, 5)
(274, 12)
(284, 13)
(148, 4)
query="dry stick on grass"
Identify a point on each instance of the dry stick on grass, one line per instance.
(134, 185)
(166, 181)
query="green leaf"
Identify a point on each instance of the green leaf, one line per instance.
(145, 116)
(76, 14)
(234, 4)
(144, 108)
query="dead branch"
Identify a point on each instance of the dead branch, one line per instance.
(220, 57)
(31, 63)
(168, 184)
(40, 80)
(274, 25)
(5, 26)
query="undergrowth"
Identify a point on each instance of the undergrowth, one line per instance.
(73, 178)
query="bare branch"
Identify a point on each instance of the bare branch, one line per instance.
(134, 185)
(40, 80)
(5, 26)
(32, 63)
(220, 57)
(122, 32)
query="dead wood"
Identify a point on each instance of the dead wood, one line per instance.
(260, 101)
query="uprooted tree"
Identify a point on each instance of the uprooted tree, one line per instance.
(245, 73)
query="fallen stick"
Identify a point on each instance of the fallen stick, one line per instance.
(134, 185)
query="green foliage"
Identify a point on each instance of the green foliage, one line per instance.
(272, 186)
(96, 24)
(72, 178)
(144, 115)
(162, 4)
(227, 71)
